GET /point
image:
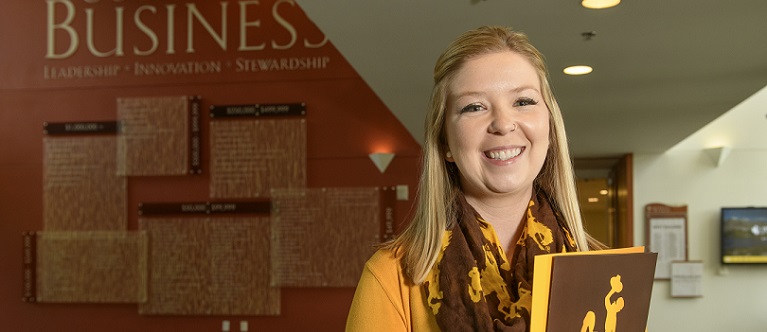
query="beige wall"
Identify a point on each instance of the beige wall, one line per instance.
(734, 298)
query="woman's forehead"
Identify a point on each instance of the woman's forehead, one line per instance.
(499, 70)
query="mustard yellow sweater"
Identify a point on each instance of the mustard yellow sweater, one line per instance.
(385, 301)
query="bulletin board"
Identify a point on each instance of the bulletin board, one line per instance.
(666, 234)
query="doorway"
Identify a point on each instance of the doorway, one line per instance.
(605, 193)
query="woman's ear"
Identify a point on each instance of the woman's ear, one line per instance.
(449, 157)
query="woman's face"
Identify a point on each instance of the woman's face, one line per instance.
(497, 125)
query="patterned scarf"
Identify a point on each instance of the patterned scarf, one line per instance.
(473, 287)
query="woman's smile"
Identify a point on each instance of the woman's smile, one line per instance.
(503, 154)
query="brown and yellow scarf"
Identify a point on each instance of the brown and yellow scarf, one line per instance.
(473, 287)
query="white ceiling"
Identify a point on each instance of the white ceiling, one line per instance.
(662, 68)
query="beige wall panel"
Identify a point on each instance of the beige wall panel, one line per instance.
(322, 237)
(250, 157)
(81, 188)
(103, 267)
(209, 266)
(154, 136)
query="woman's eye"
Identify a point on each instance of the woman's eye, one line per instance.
(525, 102)
(472, 108)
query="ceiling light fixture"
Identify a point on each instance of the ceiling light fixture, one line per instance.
(599, 4)
(577, 70)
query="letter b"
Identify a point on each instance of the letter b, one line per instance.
(65, 26)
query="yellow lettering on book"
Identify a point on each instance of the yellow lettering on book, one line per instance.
(589, 321)
(612, 308)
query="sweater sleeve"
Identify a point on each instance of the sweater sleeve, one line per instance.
(378, 303)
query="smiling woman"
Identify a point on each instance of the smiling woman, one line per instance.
(499, 139)
(497, 189)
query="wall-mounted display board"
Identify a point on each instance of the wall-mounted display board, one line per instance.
(214, 260)
(81, 188)
(255, 148)
(90, 267)
(321, 237)
(156, 135)
(666, 234)
(687, 279)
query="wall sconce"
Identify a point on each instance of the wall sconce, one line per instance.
(718, 154)
(381, 160)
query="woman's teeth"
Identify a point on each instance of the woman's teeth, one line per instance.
(503, 155)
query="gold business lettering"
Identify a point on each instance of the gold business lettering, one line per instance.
(64, 39)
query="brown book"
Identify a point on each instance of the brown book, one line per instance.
(594, 291)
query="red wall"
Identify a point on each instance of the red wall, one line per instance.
(346, 121)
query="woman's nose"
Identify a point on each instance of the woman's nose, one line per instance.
(501, 122)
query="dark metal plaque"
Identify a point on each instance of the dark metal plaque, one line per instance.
(203, 208)
(80, 128)
(257, 110)
(29, 266)
(195, 141)
(388, 201)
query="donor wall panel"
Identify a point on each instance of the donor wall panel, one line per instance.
(209, 266)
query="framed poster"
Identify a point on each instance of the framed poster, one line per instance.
(666, 234)
(687, 279)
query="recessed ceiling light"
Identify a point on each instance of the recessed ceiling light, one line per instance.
(593, 200)
(577, 70)
(603, 192)
(599, 4)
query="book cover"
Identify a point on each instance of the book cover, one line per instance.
(594, 291)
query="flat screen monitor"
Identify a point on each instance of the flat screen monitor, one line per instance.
(744, 235)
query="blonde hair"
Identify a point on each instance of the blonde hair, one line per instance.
(439, 185)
